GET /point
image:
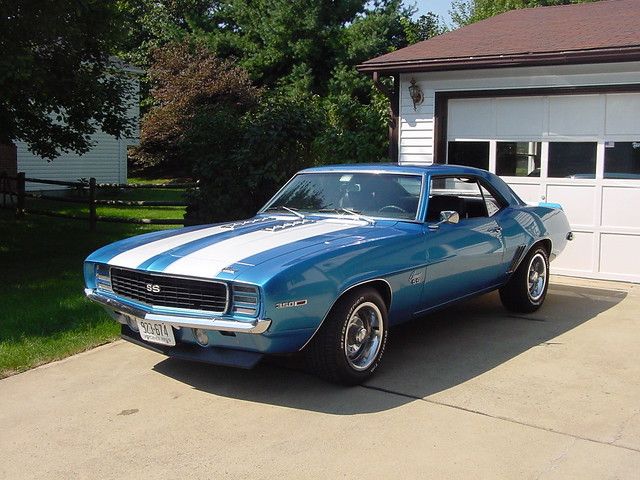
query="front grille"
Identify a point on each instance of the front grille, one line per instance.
(167, 291)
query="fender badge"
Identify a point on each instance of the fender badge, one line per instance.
(415, 277)
(294, 303)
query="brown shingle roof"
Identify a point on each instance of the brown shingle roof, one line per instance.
(602, 31)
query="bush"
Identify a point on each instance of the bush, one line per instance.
(262, 150)
(355, 132)
(209, 122)
(192, 89)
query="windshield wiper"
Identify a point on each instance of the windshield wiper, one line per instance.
(355, 213)
(290, 210)
(359, 216)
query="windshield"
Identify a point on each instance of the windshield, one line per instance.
(369, 194)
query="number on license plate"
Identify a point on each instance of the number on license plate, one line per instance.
(156, 332)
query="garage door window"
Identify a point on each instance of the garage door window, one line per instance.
(622, 160)
(572, 159)
(518, 159)
(470, 154)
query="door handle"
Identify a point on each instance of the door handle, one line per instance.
(495, 230)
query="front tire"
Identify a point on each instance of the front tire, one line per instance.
(349, 345)
(527, 288)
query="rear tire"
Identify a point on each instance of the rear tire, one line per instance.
(349, 345)
(527, 288)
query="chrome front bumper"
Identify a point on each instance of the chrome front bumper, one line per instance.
(206, 323)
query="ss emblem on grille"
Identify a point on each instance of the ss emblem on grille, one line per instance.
(153, 288)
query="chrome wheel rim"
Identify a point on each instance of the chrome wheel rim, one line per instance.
(537, 277)
(363, 336)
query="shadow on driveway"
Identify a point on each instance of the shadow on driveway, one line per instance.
(424, 356)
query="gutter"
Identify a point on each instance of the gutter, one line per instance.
(608, 55)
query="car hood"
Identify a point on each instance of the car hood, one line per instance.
(227, 248)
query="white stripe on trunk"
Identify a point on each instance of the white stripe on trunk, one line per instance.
(210, 261)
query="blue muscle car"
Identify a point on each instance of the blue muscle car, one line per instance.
(335, 258)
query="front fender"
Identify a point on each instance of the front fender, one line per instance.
(300, 297)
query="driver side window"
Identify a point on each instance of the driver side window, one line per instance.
(460, 194)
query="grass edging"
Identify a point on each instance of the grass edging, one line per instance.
(45, 316)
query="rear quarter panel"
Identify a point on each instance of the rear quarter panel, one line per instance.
(555, 227)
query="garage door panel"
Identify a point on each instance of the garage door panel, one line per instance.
(623, 116)
(471, 118)
(620, 207)
(620, 254)
(576, 115)
(578, 254)
(527, 192)
(577, 201)
(520, 117)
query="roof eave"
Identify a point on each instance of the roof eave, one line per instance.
(608, 55)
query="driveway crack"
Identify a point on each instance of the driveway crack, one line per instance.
(555, 462)
(510, 420)
(622, 428)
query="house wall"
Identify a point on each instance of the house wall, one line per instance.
(106, 161)
(602, 211)
(416, 135)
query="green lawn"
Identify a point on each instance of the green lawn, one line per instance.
(43, 313)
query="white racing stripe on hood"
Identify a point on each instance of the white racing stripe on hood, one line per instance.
(211, 260)
(134, 257)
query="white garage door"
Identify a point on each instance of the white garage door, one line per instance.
(582, 151)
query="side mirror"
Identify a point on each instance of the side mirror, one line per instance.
(449, 216)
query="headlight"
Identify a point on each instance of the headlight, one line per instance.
(245, 300)
(103, 277)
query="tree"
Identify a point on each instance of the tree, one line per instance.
(192, 90)
(211, 121)
(58, 84)
(302, 51)
(149, 24)
(285, 43)
(246, 92)
(464, 12)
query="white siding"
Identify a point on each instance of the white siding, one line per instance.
(106, 161)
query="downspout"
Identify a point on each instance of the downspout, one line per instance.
(394, 109)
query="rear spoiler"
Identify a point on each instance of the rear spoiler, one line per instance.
(557, 206)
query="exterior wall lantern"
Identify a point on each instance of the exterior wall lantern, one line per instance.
(416, 94)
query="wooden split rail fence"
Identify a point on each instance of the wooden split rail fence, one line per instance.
(13, 195)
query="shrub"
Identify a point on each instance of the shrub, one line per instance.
(262, 150)
(191, 88)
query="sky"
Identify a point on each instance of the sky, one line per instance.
(440, 7)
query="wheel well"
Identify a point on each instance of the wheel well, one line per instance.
(383, 289)
(546, 244)
(381, 286)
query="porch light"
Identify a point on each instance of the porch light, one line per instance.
(416, 94)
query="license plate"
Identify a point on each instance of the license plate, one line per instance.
(156, 332)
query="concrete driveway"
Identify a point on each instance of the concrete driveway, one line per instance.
(471, 392)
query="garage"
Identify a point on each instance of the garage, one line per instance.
(581, 151)
(557, 116)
